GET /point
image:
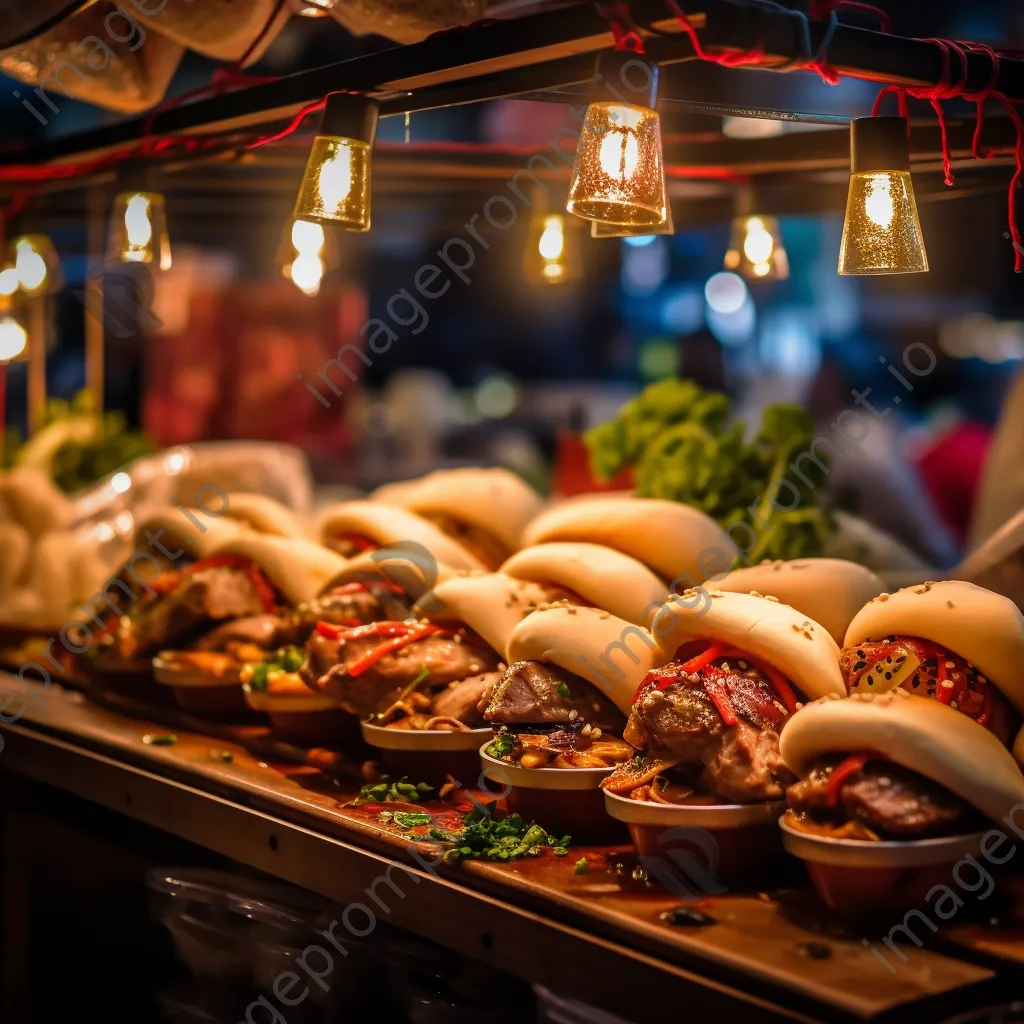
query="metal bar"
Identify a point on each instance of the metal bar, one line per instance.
(562, 957)
(37, 331)
(548, 49)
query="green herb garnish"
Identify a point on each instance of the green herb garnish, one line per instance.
(581, 867)
(293, 659)
(385, 790)
(260, 677)
(222, 755)
(161, 740)
(502, 745)
(411, 819)
(483, 838)
(678, 439)
(563, 691)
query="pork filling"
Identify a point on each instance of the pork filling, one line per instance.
(867, 797)
(707, 731)
(408, 674)
(546, 717)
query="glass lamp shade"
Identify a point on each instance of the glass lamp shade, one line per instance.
(882, 233)
(336, 184)
(138, 232)
(619, 173)
(552, 253)
(36, 265)
(756, 251)
(598, 229)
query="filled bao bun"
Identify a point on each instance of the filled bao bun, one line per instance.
(610, 653)
(761, 627)
(921, 735)
(494, 501)
(175, 530)
(601, 576)
(388, 525)
(491, 604)
(983, 628)
(831, 590)
(673, 539)
(31, 499)
(261, 514)
(397, 566)
(297, 568)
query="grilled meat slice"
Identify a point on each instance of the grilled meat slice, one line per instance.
(202, 599)
(747, 766)
(534, 693)
(261, 630)
(888, 798)
(445, 659)
(461, 700)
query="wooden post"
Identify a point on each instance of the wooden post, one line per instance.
(94, 320)
(36, 309)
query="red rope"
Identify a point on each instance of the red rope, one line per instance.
(620, 21)
(296, 123)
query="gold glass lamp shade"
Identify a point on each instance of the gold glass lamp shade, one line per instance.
(598, 229)
(552, 253)
(36, 265)
(755, 251)
(138, 232)
(335, 186)
(619, 173)
(882, 232)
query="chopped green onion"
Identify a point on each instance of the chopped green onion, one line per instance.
(163, 740)
(563, 691)
(581, 867)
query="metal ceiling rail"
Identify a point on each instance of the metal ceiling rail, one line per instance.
(550, 49)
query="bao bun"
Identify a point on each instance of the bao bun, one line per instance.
(298, 568)
(389, 525)
(984, 628)
(831, 590)
(494, 500)
(415, 572)
(918, 733)
(612, 654)
(602, 576)
(30, 498)
(673, 539)
(173, 528)
(261, 514)
(762, 627)
(492, 604)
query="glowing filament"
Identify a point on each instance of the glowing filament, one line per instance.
(13, 338)
(30, 266)
(878, 204)
(335, 180)
(138, 229)
(758, 244)
(552, 240)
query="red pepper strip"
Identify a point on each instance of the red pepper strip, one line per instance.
(372, 657)
(842, 772)
(785, 692)
(358, 540)
(719, 697)
(705, 658)
(360, 631)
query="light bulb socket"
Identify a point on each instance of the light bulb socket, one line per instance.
(624, 77)
(137, 176)
(350, 116)
(879, 144)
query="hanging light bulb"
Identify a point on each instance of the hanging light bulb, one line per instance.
(552, 253)
(336, 184)
(619, 173)
(305, 254)
(13, 338)
(138, 232)
(755, 242)
(36, 265)
(9, 281)
(882, 233)
(599, 229)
